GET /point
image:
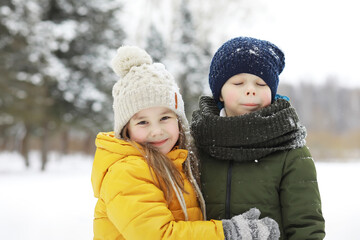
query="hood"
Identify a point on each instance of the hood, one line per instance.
(109, 150)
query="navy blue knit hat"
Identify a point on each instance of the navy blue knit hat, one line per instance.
(246, 55)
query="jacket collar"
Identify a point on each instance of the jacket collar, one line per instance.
(111, 150)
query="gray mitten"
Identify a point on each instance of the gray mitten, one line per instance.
(248, 226)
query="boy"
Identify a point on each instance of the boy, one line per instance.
(251, 144)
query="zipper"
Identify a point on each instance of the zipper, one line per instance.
(228, 190)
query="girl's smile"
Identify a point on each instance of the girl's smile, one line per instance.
(158, 143)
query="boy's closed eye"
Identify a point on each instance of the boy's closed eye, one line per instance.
(238, 83)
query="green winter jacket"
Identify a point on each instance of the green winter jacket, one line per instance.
(259, 160)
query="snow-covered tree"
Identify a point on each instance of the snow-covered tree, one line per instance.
(22, 101)
(97, 34)
(189, 58)
(54, 63)
(155, 45)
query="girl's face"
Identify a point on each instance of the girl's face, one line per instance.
(245, 93)
(157, 126)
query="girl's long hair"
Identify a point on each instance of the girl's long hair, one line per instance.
(166, 174)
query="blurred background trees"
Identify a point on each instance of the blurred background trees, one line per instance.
(331, 116)
(55, 79)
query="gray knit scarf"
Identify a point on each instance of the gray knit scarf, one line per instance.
(247, 137)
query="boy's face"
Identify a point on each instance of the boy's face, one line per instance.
(244, 93)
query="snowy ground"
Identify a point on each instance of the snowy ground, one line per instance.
(58, 203)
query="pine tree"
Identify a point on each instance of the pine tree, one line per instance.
(155, 45)
(22, 101)
(55, 57)
(190, 59)
(87, 56)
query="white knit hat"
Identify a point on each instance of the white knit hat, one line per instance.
(142, 84)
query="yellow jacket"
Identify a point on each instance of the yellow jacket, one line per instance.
(130, 204)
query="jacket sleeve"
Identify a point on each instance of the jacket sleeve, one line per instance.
(138, 209)
(300, 197)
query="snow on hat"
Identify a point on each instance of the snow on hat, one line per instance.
(246, 55)
(142, 84)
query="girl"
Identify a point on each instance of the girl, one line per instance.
(143, 175)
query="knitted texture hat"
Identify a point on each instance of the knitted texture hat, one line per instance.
(142, 84)
(246, 55)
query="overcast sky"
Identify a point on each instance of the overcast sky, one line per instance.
(320, 38)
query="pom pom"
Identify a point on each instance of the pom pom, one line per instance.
(128, 57)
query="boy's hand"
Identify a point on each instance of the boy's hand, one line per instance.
(248, 226)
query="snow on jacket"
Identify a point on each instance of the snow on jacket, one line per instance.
(130, 203)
